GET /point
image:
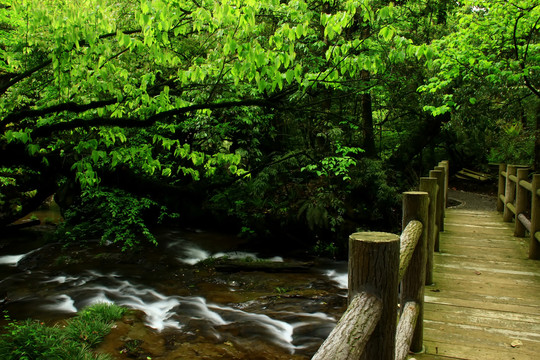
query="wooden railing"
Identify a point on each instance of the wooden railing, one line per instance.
(378, 263)
(518, 198)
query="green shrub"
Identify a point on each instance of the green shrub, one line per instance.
(28, 340)
(32, 340)
(112, 215)
(93, 323)
(88, 331)
(105, 312)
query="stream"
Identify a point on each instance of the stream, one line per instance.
(198, 295)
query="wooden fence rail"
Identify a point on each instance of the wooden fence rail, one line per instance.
(378, 263)
(518, 198)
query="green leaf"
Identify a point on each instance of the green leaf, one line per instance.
(387, 33)
(299, 31)
(289, 76)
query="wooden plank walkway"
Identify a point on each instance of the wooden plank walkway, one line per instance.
(485, 303)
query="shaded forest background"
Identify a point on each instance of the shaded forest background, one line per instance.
(295, 121)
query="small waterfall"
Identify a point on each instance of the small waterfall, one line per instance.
(11, 260)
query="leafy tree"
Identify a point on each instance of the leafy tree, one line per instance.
(265, 110)
(486, 72)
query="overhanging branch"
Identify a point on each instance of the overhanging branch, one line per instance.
(132, 122)
(69, 106)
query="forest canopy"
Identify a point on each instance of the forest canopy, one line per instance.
(297, 117)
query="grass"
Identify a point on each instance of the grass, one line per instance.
(33, 340)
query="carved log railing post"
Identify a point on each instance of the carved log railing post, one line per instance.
(446, 165)
(373, 267)
(441, 202)
(440, 184)
(415, 207)
(522, 202)
(510, 193)
(534, 245)
(429, 185)
(500, 187)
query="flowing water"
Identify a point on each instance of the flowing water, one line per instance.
(187, 304)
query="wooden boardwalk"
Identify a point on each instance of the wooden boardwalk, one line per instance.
(485, 303)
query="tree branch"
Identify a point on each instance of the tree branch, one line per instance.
(69, 106)
(516, 53)
(132, 122)
(5, 86)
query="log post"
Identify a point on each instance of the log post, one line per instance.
(534, 245)
(440, 200)
(373, 267)
(439, 176)
(415, 207)
(446, 165)
(500, 188)
(429, 185)
(510, 192)
(521, 202)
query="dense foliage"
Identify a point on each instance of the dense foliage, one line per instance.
(33, 340)
(287, 117)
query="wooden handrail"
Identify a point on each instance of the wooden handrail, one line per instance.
(517, 199)
(408, 240)
(405, 330)
(525, 184)
(525, 221)
(378, 262)
(429, 185)
(355, 327)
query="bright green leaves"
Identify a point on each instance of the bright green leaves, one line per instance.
(113, 215)
(334, 24)
(192, 163)
(111, 135)
(289, 33)
(338, 165)
(23, 136)
(85, 174)
(97, 155)
(492, 45)
(387, 33)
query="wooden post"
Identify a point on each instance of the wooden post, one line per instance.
(446, 165)
(534, 245)
(429, 185)
(510, 192)
(373, 267)
(441, 201)
(439, 176)
(500, 191)
(415, 207)
(522, 202)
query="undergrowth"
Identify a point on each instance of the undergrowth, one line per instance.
(33, 340)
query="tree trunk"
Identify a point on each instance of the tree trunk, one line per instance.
(427, 130)
(367, 123)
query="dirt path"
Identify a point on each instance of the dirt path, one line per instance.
(472, 201)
